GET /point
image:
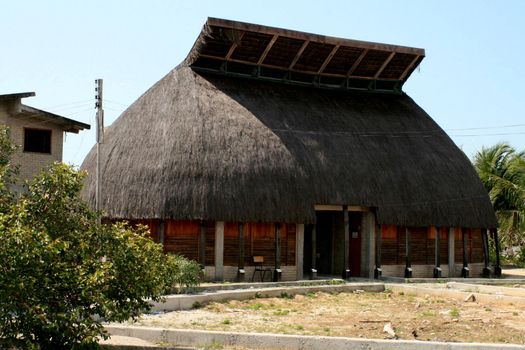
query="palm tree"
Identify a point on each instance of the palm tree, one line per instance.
(502, 171)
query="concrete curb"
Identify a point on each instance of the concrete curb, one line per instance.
(178, 302)
(455, 294)
(214, 287)
(487, 281)
(496, 290)
(183, 337)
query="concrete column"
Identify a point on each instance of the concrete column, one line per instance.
(299, 247)
(451, 249)
(219, 250)
(345, 274)
(368, 244)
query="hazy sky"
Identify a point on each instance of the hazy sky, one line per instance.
(471, 81)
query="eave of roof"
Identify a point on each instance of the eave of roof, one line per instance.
(68, 125)
(16, 95)
(269, 53)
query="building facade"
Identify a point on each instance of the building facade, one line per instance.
(37, 134)
(299, 148)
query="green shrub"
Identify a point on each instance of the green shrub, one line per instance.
(62, 273)
(183, 274)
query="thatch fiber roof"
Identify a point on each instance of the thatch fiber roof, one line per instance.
(204, 146)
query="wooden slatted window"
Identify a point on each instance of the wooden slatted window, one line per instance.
(182, 237)
(389, 251)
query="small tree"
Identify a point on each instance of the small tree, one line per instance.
(61, 272)
(502, 172)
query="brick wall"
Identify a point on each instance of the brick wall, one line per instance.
(30, 163)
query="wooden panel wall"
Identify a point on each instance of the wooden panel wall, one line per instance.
(259, 239)
(389, 246)
(474, 246)
(182, 237)
(210, 243)
(423, 244)
(420, 246)
(476, 255)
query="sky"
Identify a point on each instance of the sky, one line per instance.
(471, 81)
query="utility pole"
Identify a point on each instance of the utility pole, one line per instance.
(100, 140)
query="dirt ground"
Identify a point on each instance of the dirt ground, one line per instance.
(357, 315)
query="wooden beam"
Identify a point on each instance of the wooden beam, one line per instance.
(162, 232)
(383, 66)
(240, 272)
(497, 268)
(485, 242)
(465, 269)
(267, 49)
(328, 59)
(234, 46)
(408, 253)
(277, 271)
(299, 53)
(295, 70)
(437, 258)
(202, 244)
(242, 26)
(356, 63)
(313, 270)
(409, 68)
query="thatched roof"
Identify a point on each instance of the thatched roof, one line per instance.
(204, 146)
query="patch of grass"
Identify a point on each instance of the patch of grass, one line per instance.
(454, 312)
(226, 321)
(326, 329)
(281, 312)
(258, 295)
(196, 305)
(256, 306)
(515, 313)
(311, 295)
(488, 309)
(285, 295)
(428, 313)
(401, 293)
(299, 327)
(214, 345)
(336, 282)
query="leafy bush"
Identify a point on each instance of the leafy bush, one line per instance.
(62, 273)
(183, 273)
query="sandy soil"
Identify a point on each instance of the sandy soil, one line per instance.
(357, 315)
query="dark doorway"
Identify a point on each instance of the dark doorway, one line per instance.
(325, 235)
(330, 240)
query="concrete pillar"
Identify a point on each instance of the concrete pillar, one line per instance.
(299, 247)
(451, 249)
(345, 274)
(368, 244)
(219, 250)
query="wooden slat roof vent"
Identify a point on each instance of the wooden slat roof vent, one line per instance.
(293, 57)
